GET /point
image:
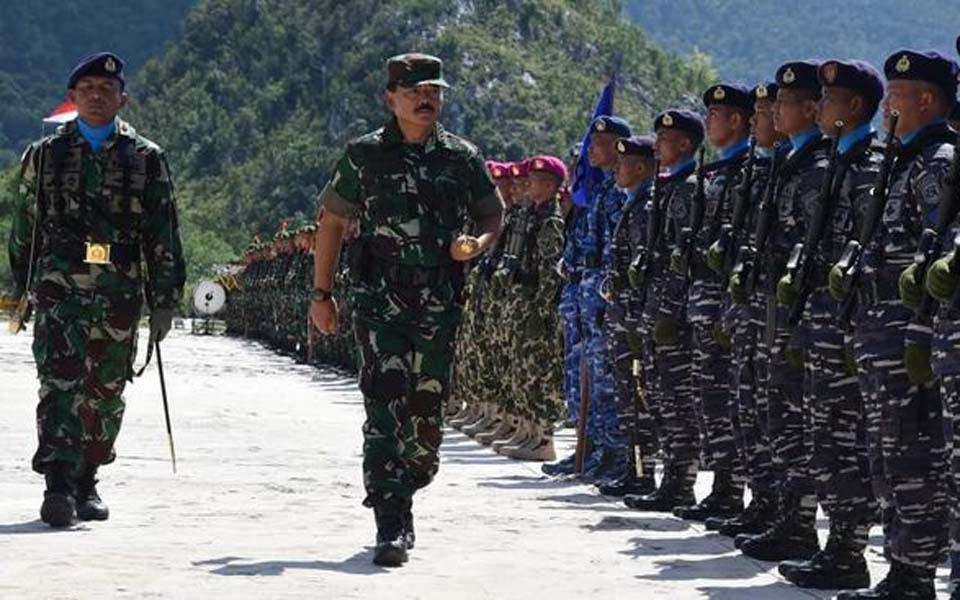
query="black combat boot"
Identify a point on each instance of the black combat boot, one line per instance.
(793, 537)
(391, 550)
(725, 501)
(839, 566)
(567, 466)
(759, 516)
(89, 505)
(629, 484)
(902, 582)
(674, 491)
(611, 463)
(59, 507)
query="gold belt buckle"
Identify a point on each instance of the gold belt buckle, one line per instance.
(97, 254)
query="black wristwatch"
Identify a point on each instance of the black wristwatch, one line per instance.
(321, 295)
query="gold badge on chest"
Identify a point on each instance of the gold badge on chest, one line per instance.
(97, 254)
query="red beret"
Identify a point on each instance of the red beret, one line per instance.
(548, 164)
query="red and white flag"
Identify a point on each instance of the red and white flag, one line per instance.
(63, 113)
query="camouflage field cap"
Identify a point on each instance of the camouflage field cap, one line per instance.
(415, 69)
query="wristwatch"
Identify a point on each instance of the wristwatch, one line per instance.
(321, 295)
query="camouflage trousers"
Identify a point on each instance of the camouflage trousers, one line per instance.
(602, 425)
(672, 405)
(712, 381)
(749, 356)
(405, 381)
(788, 418)
(572, 349)
(839, 463)
(905, 430)
(946, 362)
(634, 419)
(84, 347)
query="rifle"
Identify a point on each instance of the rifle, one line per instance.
(22, 313)
(803, 259)
(698, 210)
(515, 248)
(932, 240)
(644, 262)
(767, 215)
(729, 239)
(851, 262)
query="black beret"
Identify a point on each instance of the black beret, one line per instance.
(857, 75)
(923, 65)
(766, 90)
(637, 145)
(610, 124)
(101, 64)
(799, 75)
(686, 121)
(729, 94)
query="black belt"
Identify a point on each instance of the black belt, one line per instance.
(76, 252)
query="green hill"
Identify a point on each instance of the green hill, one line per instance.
(43, 40)
(257, 99)
(748, 40)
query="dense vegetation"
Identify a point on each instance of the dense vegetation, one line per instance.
(748, 40)
(256, 99)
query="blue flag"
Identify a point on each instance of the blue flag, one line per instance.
(586, 178)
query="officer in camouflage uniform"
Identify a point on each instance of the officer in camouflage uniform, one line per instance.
(797, 184)
(608, 457)
(664, 327)
(852, 91)
(536, 373)
(634, 174)
(904, 414)
(95, 207)
(745, 320)
(411, 185)
(729, 108)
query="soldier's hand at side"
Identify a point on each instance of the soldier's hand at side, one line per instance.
(910, 291)
(838, 283)
(715, 257)
(464, 248)
(161, 321)
(323, 315)
(787, 292)
(941, 280)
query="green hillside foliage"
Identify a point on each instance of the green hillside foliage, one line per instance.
(43, 40)
(749, 39)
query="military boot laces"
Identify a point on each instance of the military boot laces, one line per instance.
(725, 501)
(839, 566)
(59, 508)
(902, 582)
(391, 549)
(89, 505)
(791, 538)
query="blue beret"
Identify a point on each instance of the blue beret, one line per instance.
(799, 75)
(857, 75)
(766, 90)
(923, 65)
(729, 94)
(686, 121)
(610, 124)
(101, 64)
(637, 145)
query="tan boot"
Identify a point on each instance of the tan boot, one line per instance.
(463, 416)
(533, 437)
(453, 408)
(503, 423)
(520, 438)
(513, 423)
(539, 447)
(483, 424)
(478, 415)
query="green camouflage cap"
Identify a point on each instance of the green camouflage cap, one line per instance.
(415, 69)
